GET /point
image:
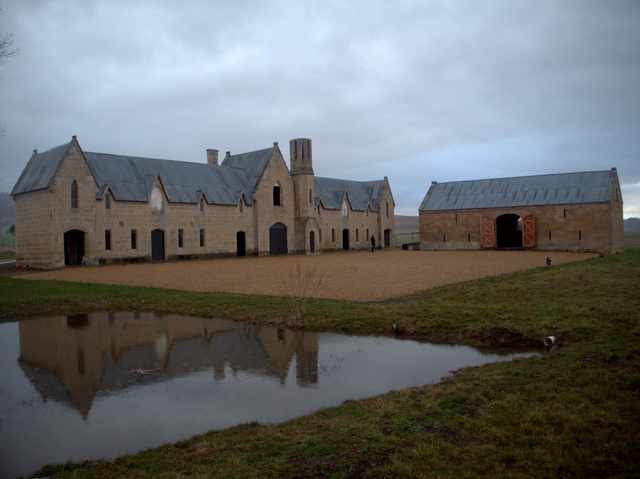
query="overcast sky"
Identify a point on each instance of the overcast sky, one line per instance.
(417, 91)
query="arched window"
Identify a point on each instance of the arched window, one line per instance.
(74, 194)
(156, 200)
(276, 195)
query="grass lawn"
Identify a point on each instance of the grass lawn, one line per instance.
(572, 412)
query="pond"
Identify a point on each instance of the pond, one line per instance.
(104, 384)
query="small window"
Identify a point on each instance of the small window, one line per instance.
(310, 196)
(107, 202)
(276, 195)
(357, 235)
(202, 238)
(387, 206)
(333, 235)
(180, 238)
(580, 235)
(74, 194)
(368, 234)
(240, 205)
(320, 236)
(134, 239)
(318, 208)
(107, 240)
(549, 235)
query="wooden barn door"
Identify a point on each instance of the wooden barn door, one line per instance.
(487, 232)
(278, 239)
(529, 231)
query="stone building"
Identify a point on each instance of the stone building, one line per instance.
(562, 212)
(73, 206)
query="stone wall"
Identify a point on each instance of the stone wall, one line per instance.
(592, 227)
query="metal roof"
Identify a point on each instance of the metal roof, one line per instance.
(331, 192)
(40, 170)
(132, 178)
(542, 190)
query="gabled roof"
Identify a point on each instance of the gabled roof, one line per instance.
(40, 170)
(542, 190)
(252, 164)
(132, 178)
(331, 192)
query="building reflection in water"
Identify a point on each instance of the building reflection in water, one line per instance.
(74, 358)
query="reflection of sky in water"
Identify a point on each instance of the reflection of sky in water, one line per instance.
(117, 384)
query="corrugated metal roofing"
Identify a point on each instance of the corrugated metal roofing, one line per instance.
(131, 178)
(331, 191)
(565, 188)
(39, 170)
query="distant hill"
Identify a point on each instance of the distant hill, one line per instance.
(406, 224)
(632, 226)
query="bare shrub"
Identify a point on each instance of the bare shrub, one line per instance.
(299, 286)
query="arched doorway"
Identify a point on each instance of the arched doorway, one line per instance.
(157, 245)
(241, 243)
(73, 247)
(345, 239)
(312, 242)
(278, 239)
(387, 238)
(509, 231)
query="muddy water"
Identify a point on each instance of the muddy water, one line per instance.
(104, 384)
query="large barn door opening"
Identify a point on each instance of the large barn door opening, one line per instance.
(529, 231)
(487, 232)
(509, 231)
(278, 239)
(73, 247)
(157, 245)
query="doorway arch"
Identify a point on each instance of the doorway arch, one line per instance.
(73, 247)
(509, 231)
(345, 239)
(157, 245)
(278, 239)
(312, 242)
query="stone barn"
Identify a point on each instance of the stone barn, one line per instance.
(579, 212)
(76, 207)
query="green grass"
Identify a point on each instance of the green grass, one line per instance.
(572, 412)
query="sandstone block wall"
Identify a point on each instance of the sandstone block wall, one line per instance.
(593, 227)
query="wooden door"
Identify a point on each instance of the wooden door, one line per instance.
(157, 245)
(278, 239)
(487, 232)
(529, 231)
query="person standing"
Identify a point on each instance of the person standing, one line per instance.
(373, 243)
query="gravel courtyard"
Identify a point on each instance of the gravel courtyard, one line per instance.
(355, 276)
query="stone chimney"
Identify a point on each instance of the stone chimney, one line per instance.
(212, 157)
